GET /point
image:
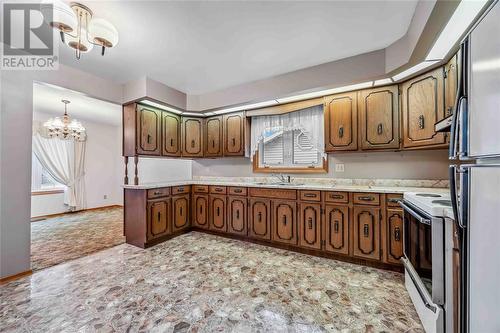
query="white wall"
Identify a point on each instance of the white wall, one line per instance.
(47, 204)
(159, 170)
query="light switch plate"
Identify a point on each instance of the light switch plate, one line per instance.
(339, 167)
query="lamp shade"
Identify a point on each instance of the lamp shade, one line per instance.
(81, 44)
(58, 15)
(103, 33)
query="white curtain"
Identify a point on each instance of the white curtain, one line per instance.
(64, 160)
(309, 121)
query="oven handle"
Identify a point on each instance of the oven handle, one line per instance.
(410, 268)
(414, 213)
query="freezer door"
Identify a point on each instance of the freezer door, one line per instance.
(482, 262)
(483, 94)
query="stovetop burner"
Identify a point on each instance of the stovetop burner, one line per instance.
(428, 195)
(442, 202)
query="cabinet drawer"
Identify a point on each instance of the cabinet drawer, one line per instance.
(237, 190)
(372, 199)
(158, 192)
(337, 197)
(273, 193)
(200, 188)
(181, 189)
(310, 195)
(218, 189)
(392, 199)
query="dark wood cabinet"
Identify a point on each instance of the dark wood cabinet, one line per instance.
(284, 221)
(423, 106)
(180, 216)
(158, 218)
(234, 134)
(237, 215)
(218, 212)
(309, 225)
(259, 218)
(394, 236)
(379, 118)
(336, 228)
(450, 85)
(148, 131)
(171, 134)
(366, 233)
(341, 116)
(192, 137)
(213, 136)
(200, 210)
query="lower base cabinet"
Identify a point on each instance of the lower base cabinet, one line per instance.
(309, 225)
(284, 220)
(237, 215)
(337, 229)
(394, 236)
(158, 218)
(366, 225)
(200, 211)
(180, 207)
(218, 213)
(259, 218)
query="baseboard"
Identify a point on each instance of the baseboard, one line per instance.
(8, 279)
(43, 217)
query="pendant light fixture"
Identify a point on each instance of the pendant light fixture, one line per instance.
(77, 27)
(65, 128)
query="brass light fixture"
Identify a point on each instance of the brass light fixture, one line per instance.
(65, 128)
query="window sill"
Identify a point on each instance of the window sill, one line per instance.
(47, 191)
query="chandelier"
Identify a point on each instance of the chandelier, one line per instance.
(65, 128)
(77, 28)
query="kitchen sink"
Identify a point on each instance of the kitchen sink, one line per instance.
(280, 184)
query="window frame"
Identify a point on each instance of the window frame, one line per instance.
(323, 168)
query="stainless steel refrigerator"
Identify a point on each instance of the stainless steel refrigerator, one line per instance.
(475, 178)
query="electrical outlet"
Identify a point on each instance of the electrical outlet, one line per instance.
(339, 167)
(105, 196)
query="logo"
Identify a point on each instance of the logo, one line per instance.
(28, 42)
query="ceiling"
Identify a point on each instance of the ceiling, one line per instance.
(200, 47)
(47, 99)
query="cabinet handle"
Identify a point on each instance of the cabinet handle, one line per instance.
(421, 121)
(171, 142)
(310, 223)
(148, 139)
(238, 214)
(366, 230)
(218, 211)
(379, 129)
(213, 143)
(233, 141)
(157, 192)
(159, 216)
(180, 211)
(397, 234)
(238, 190)
(192, 143)
(449, 111)
(180, 189)
(336, 196)
(366, 198)
(284, 219)
(201, 209)
(259, 215)
(310, 195)
(336, 226)
(341, 131)
(218, 189)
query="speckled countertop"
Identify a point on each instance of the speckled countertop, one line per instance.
(324, 184)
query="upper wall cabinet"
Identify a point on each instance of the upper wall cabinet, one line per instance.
(213, 136)
(171, 134)
(379, 118)
(192, 137)
(148, 131)
(422, 106)
(341, 122)
(234, 134)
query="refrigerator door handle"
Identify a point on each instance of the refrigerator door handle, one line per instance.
(464, 197)
(461, 134)
(454, 198)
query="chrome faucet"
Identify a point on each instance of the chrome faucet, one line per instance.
(283, 178)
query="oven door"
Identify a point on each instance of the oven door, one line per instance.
(424, 253)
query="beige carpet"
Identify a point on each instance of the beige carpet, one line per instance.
(74, 235)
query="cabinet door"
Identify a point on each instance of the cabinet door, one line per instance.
(234, 134)
(379, 118)
(192, 145)
(310, 225)
(337, 229)
(218, 212)
(341, 122)
(180, 206)
(171, 133)
(450, 85)
(213, 136)
(394, 235)
(259, 216)
(284, 222)
(423, 106)
(237, 215)
(158, 217)
(200, 211)
(366, 232)
(148, 131)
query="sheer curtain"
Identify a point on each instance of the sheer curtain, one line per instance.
(309, 121)
(64, 160)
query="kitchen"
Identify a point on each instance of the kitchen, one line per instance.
(382, 186)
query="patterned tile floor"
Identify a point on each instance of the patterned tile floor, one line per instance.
(203, 283)
(75, 235)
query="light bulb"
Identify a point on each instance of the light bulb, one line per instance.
(103, 32)
(59, 15)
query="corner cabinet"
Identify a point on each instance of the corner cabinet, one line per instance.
(423, 106)
(234, 134)
(379, 118)
(341, 116)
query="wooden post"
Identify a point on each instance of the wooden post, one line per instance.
(136, 178)
(125, 180)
